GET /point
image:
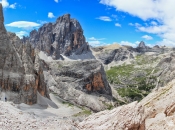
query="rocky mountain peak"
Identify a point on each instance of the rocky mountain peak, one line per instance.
(65, 36)
(2, 28)
(1, 14)
(142, 44)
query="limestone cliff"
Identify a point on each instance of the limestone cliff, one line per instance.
(81, 83)
(18, 74)
(65, 36)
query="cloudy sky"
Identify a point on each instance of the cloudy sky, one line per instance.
(103, 21)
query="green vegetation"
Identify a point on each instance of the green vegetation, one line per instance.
(109, 106)
(118, 71)
(135, 80)
(69, 104)
(84, 112)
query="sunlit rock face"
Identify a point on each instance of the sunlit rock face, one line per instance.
(65, 36)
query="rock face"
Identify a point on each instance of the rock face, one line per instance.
(20, 69)
(112, 53)
(142, 47)
(79, 82)
(65, 36)
(156, 111)
(115, 55)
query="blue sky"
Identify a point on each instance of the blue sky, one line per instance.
(103, 21)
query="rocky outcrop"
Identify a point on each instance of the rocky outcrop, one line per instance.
(142, 47)
(156, 111)
(115, 55)
(79, 82)
(65, 36)
(18, 74)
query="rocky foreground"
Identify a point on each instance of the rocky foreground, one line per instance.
(155, 112)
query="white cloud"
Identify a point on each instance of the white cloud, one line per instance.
(153, 23)
(56, 1)
(23, 24)
(166, 42)
(13, 6)
(105, 18)
(118, 25)
(96, 41)
(135, 44)
(50, 15)
(6, 4)
(41, 21)
(147, 37)
(130, 24)
(160, 11)
(134, 24)
(21, 34)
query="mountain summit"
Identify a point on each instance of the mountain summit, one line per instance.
(65, 36)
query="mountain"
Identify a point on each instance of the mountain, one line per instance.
(21, 74)
(65, 36)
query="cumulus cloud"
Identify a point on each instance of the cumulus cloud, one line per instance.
(23, 24)
(21, 34)
(166, 42)
(159, 10)
(118, 25)
(96, 41)
(147, 37)
(104, 18)
(6, 4)
(50, 15)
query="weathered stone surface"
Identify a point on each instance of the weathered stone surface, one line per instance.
(17, 72)
(65, 36)
(156, 111)
(79, 82)
(115, 55)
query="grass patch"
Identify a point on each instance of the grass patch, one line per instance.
(84, 112)
(69, 104)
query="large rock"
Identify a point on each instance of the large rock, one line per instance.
(80, 82)
(18, 74)
(65, 36)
